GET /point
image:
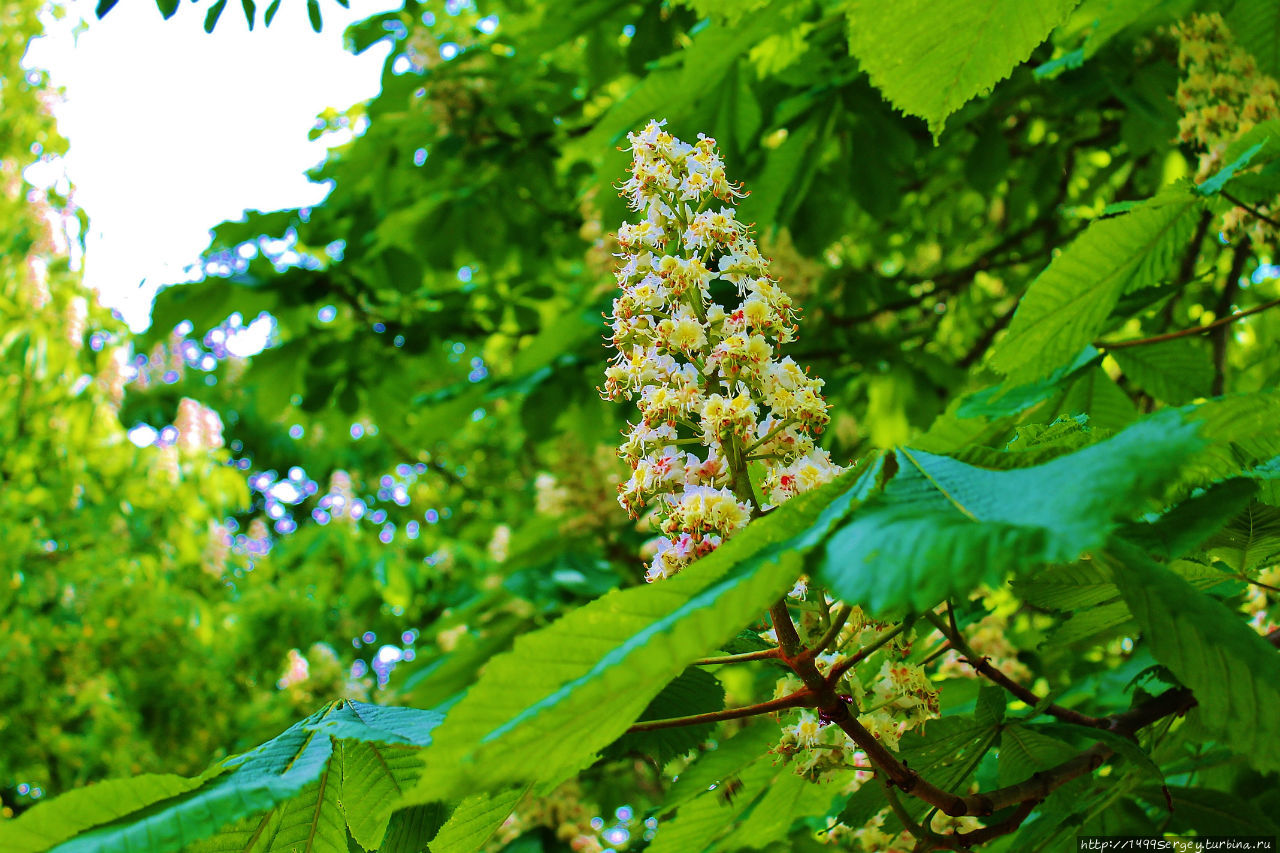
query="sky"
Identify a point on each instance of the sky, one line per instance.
(173, 130)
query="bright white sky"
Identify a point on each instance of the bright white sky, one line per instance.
(172, 131)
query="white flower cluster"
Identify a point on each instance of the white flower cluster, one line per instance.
(705, 374)
(199, 427)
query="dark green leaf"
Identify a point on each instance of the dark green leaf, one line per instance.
(1234, 673)
(941, 527)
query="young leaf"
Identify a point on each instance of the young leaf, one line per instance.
(957, 49)
(543, 710)
(1067, 305)
(1234, 673)
(942, 526)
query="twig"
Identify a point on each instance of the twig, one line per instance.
(1249, 207)
(1198, 330)
(763, 654)
(864, 653)
(833, 631)
(799, 699)
(980, 665)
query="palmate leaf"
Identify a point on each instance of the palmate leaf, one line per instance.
(282, 795)
(543, 710)
(941, 526)
(1234, 673)
(1068, 304)
(929, 57)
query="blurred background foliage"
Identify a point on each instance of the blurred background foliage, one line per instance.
(417, 467)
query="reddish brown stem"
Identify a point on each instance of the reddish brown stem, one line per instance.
(995, 676)
(799, 699)
(1198, 330)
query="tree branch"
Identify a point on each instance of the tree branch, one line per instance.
(1251, 208)
(983, 667)
(1183, 333)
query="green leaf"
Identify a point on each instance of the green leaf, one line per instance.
(211, 17)
(475, 820)
(1256, 25)
(1068, 304)
(250, 12)
(1173, 372)
(695, 691)
(1241, 432)
(294, 779)
(698, 824)
(76, 811)
(713, 768)
(1210, 812)
(1119, 14)
(667, 91)
(1025, 751)
(1214, 184)
(104, 6)
(1234, 673)
(991, 705)
(374, 776)
(1192, 522)
(929, 57)
(941, 526)
(311, 822)
(543, 710)
(1250, 540)
(756, 811)
(1122, 745)
(313, 14)
(409, 830)
(167, 7)
(271, 12)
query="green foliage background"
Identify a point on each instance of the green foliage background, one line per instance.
(973, 202)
